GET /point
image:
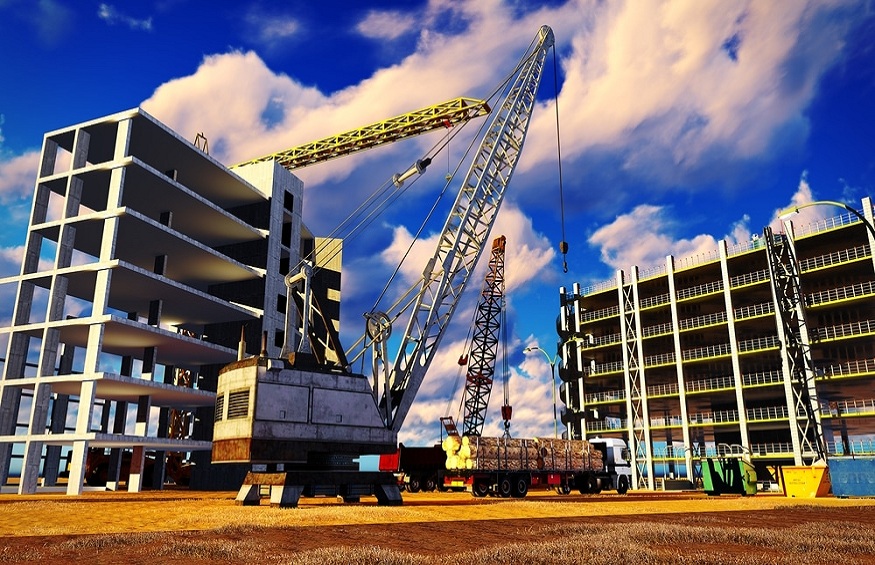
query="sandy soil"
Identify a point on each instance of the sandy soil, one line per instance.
(59, 529)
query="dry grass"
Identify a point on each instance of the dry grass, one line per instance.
(214, 529)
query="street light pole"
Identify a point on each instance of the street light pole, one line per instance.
(785, 214)
(552, 363)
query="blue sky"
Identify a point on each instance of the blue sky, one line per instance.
(682, 123)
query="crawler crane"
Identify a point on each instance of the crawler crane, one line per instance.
(307, 421)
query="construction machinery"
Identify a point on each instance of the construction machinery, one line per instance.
(305, 422)
(480, 373)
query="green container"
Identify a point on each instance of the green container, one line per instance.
(728, 475)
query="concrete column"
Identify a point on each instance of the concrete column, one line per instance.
(141, 429)
(80, 448)
(114, 467)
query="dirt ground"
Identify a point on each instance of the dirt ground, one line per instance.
(127, 528)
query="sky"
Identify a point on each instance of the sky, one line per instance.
(680, 123)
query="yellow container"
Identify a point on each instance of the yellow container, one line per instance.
(805, 481)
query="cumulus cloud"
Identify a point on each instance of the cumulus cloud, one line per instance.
(112, 16)
(17, 177)
(386, 24)
(673, 86)
(645, 236)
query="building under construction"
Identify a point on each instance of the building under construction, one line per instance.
(763, 347)
(146, 261)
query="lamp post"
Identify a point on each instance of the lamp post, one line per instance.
(785, 214)
(552, 362)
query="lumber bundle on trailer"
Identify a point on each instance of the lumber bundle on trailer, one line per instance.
(515, 454)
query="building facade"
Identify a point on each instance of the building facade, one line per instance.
(148, 265)
(762, 349)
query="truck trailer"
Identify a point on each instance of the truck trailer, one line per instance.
(510, 467)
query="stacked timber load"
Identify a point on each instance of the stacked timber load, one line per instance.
(514, 454)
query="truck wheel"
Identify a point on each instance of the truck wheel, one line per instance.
(430, 484)
(414, 484)
(480, 489)
(622, 484)
(564, 488)
(520, 487)
(505, 487)
(594, 485)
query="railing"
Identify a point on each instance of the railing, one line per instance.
(661, 359)
(702, 289)
(744, 247)
(699, 259)
(598, 287)
(603, 340)
(767, 413)
(660, 329)
(662, 390)
(845, 330)
(657, 300)
(651, 272)
(764, 378)
(778, 448)
(834, 258)
(605, 425)
(710, 384)
(591, 315)
(749, 278)
(848, 408)
(759, 344)
(720, 417)
(704, 352)
(845, 219)
(746, 312)
(605, 368)
(838, 294)
(850, 368)
(857, 447)
(667, 422)
(608, 396)
(706, 320)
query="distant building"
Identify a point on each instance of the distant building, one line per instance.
(145, 262)
(765, 345)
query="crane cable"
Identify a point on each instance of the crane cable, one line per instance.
(563, 245)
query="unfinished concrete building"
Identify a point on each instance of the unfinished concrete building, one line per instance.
(145, 262)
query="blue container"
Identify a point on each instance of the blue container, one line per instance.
(852, 476)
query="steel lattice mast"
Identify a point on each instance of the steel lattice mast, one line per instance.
(410, 124)
(484, 343)
(466, 230)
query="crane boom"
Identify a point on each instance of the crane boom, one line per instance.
(466, 230)
(484, 343)
(420, 121)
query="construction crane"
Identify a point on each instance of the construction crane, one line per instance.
(488, 321)
(316, 421)
(417, 122)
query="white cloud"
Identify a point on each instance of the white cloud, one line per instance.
(644, 237)
(803, 195)
(386, 24)
(112, 16)
(270, 29)
(17, 177)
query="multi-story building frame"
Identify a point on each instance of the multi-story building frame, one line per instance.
(145, 260)
(765, 345)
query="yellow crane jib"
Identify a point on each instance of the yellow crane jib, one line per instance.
(410, 124)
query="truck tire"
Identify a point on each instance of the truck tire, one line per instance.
(622, 485)
(505, 487)
(414, 485)
(430, 484)
(480, 489)
(520, 487)
(563, 489)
